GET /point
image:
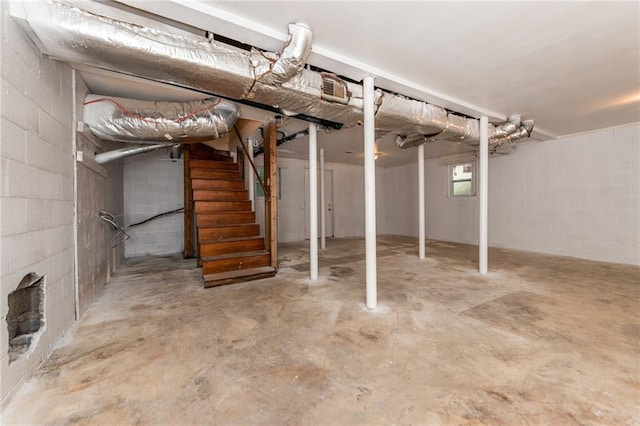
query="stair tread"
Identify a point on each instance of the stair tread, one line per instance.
(228, 240)
(241, 275)
(227, 225)
(235, 255)
(199, 161)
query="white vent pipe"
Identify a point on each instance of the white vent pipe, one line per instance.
(117, 154)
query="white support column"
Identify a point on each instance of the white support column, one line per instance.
(370, 194)
(484, 194)
(421, 218)
(323, 207)
(249, 171)
(313, 202)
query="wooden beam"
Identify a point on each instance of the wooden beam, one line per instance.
(271, 198)
(188, 251)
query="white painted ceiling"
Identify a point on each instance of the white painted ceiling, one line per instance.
(571, 66)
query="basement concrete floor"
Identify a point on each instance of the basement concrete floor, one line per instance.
(539, 340)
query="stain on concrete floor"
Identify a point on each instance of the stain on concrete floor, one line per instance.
(539, 340)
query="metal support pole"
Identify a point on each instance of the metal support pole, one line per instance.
(484, 193)
(370, 194)
(313, 202)
(421, 218)
(323, 207)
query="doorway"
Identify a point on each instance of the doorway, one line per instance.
(328, 207)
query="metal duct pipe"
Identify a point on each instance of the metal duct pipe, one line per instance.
(117, 154)
(289, 62)
(130, 120)
(509, 127)
(524, 131)
(265, 78)
(409, 117)
(404, 142)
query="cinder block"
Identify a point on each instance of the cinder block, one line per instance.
(22, 250)
(12, 141)
(40, 153)
(19, 109)
(38, 214)
(20, 180)
(13, 218)
(22, 44)
(49, 74)
(13, 67)
(62, 104)
(39, 90)
(53, 295)
(53, 132)
(61, 212)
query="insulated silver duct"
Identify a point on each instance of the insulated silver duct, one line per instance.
(271, 79)
(407, 116)
(130, 120)
(276, 69)
(105, 157)
(509, 127)
(404, 142)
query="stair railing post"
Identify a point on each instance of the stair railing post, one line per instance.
(271, 196)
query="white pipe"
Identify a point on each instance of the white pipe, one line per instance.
(251, 181)
(370, 193)
(323, 223)
(313, 201)
(421, 218)
(76, 245)
(484, 192)
(117, 154)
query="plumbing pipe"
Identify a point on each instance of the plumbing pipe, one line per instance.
(370, 193)
(116, 154)
(421, 218)
(484, 191)
(313, 201)
(323, 222)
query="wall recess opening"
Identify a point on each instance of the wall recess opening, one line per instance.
(26, 315)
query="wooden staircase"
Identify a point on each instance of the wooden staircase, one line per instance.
(230, 249)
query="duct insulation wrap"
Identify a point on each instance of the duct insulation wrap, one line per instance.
(303, 94)
(407, 116)
(74, 35)
(276, 69)
(267, 78)
(130, 120)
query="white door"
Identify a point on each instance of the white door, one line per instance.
(328, 207)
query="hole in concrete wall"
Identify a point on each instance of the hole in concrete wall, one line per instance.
(26, 314)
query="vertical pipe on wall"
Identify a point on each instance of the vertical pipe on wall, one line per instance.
(251, 181)
(323, 231)
(74, 141)
(370, 194)
(484, 192)
(421, 218)
(313, 202)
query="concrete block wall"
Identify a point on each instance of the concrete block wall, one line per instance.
(36, 191)
(99, 187)
(576, 196)
(153, 184)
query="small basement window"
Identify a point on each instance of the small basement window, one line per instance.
(462, 179)
(26, 314)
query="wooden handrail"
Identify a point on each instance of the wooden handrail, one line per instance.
(267, 191)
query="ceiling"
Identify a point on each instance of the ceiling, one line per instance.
(571, 66)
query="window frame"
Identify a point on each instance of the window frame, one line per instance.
(472, 180)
